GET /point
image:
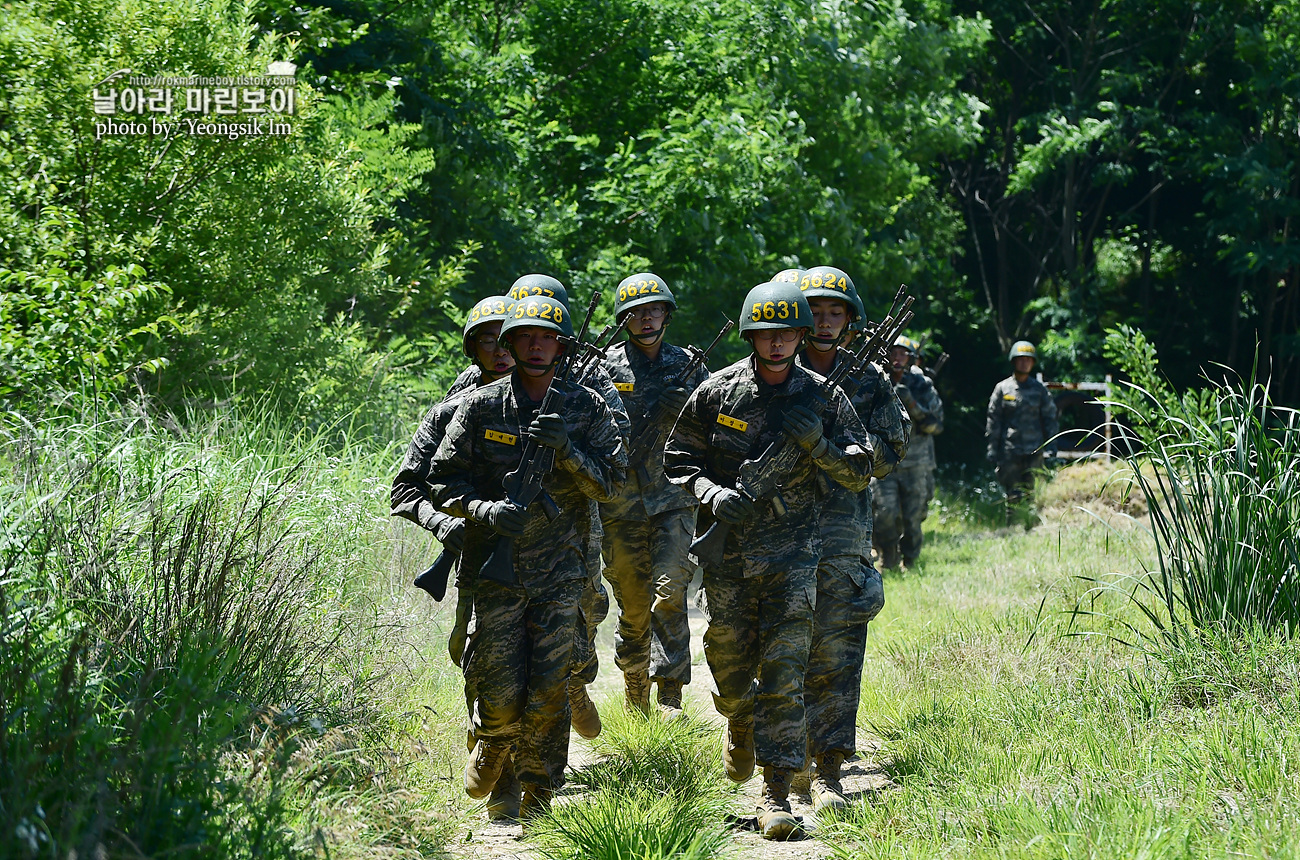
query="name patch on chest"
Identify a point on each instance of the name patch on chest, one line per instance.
(1010, 397)
(624, 386)
(503, 438)
(733, 423)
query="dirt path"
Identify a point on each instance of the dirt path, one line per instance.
(484, 840)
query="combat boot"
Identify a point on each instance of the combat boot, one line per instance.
(738, 754)
(582, 713)
(637, 690)
(536, 802)
(503, 802)
(827, 792)
(775, 820)
(484, 766)
(670, 698)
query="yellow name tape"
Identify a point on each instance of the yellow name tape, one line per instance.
(733, 423)
(1008, 397)
(624, 386)
(494, 436)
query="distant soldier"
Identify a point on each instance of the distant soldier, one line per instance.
(759, 597)
(522, 637)
(648, 528)
(902, 499)
(849, 591)
(1021, 420)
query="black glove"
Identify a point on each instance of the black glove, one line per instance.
(730, 506)
(452, 535)
(502, 517)
(551, 431)
(804, 426)
(673, 399)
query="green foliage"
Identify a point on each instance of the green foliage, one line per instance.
(1147, 400)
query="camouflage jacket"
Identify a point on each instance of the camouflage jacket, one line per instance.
(640, 382)
(845, 524)
(484, 441)
(596, 379)
(924, 405)
(410, 495)
(732, 417)
(1021, 418)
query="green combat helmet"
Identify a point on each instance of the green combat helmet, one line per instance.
(484, 310)
(539, 285)
(907, 343)
(1022, 347)
(790, 276)
(829, 282)
(643, 288)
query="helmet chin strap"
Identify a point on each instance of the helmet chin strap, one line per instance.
(825, 344)
(532, 369)
(773, 365)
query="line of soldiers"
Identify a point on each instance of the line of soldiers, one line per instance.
(548, 449)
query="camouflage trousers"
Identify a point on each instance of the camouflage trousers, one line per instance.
(756, 645)
(900, 502)
(849, 595)
(645, 562)
(1016, 474)
(517, 660)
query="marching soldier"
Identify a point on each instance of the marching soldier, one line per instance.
(1021, 420)
(849, 590)
(902, 499)
(523, 632)
(760, 593)
(648, 528)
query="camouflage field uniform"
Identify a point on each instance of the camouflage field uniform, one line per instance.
(593, 606)
(648, 529)
(902, 499)
(1021, 418)
(522, 636)
(849, 590)
(760, 601)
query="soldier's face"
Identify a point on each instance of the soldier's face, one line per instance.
(1022, 364)
(830, 316)
(899, 358)
(646, 319)
(535, 346)
(491, 354)
(776, 344)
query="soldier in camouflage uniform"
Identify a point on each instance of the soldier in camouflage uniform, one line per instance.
(760, 599)
(521, 641)
(594, 605)
(648, 528)
(1021, 420)
(849, 590)
(411, 499)
(902, 500)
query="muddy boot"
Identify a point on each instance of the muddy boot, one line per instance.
(536, 802)
(503, 802)
(775, 821)
(484, 766)
(582, 713)
(637, 691)
(827, 792)
(670, 698)
(738, 754)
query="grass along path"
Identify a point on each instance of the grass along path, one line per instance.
(990, 728)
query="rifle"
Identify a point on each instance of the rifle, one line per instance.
(652, 430)
(523, 486)
(762, 477)
(938, 365)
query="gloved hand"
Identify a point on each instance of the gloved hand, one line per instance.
(502, 517)
(551, 431)
(673, 399)
(730, 506)
(452, 535)
(804, 426)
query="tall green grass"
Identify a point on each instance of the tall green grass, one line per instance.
(189, 663)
